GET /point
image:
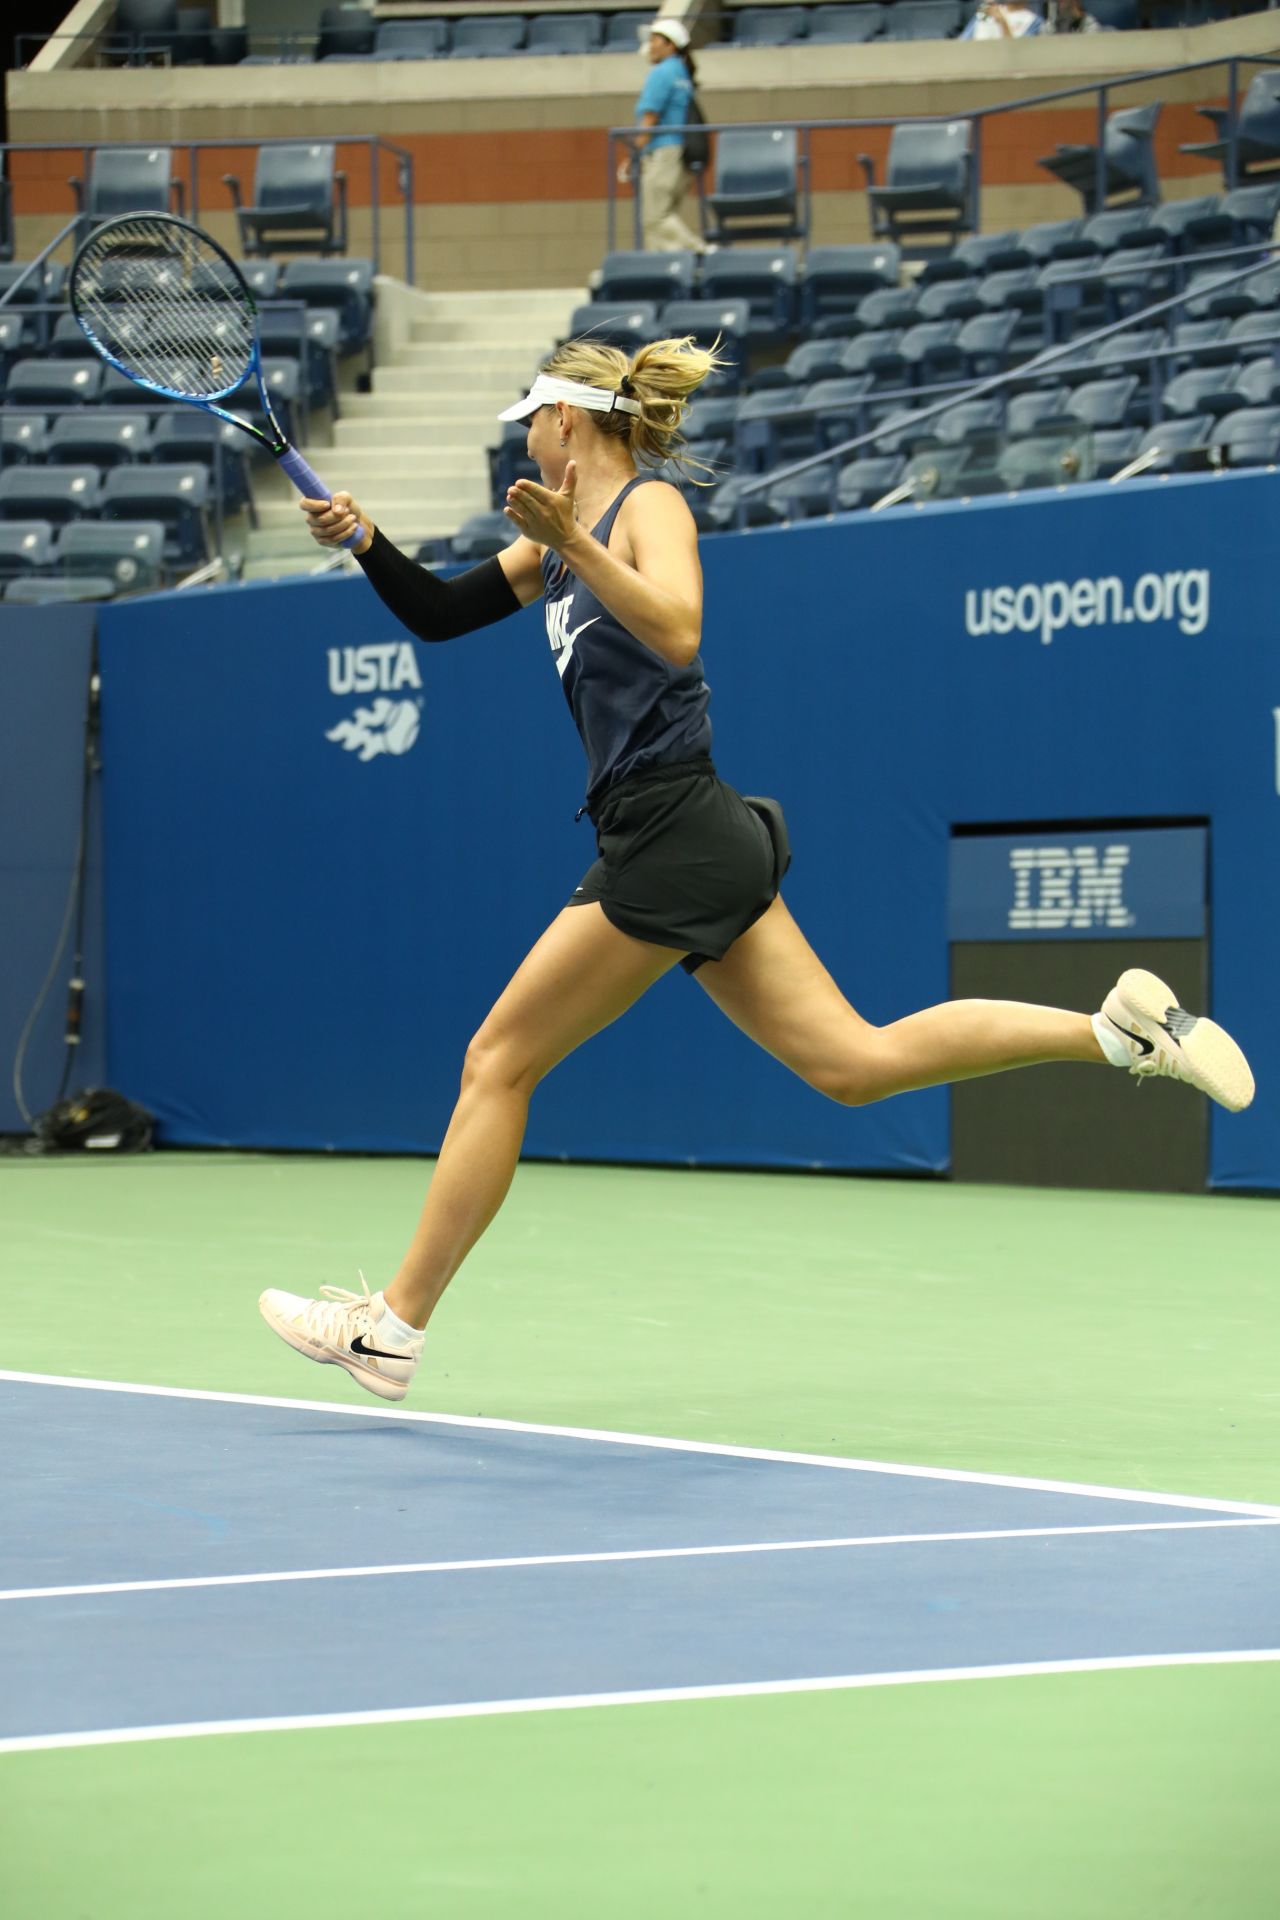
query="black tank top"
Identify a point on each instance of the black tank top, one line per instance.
(632, 708)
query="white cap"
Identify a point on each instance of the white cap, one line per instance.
(546, 389)
(673, 30)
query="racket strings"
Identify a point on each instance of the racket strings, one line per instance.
(165, 308)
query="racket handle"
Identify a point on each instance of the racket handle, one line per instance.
(309, 483)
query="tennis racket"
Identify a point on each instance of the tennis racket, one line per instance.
(163, 303)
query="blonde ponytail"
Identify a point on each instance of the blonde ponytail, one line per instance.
(661, 376)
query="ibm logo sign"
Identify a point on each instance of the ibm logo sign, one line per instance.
(1081, 886)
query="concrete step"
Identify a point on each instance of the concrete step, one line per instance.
(518, 301)
(444, 505)
(460, 410)
(400, 466)
(446, 439)
(477, 336)
(448, 388)
(465, 361)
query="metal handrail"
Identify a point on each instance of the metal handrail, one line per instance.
(375, 145)
(623, 139)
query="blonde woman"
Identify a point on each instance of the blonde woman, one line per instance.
(687, 873)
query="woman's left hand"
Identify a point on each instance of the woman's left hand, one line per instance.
(543, 516)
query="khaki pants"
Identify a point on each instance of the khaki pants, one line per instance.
(663, 185)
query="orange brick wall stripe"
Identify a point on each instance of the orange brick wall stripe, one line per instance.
(476, 169)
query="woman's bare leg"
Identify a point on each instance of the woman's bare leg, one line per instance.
(578, 978)
(772, 985)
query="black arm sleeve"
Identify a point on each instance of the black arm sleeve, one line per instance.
(435, 609)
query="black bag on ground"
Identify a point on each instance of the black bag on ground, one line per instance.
(697, 142)
(98, 1118)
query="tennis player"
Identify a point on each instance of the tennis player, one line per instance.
(688, 872)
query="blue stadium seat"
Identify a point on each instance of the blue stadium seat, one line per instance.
(1012, 290)
(1119, 16)
(879, 356)
(1052, 240)
(1190, 226)
(948, 300)
(755, 194)
(862, 482)
(728, 508)
(625, 324)
(344, 32)
(728, 321)
(974, 256)
(54, 383)
(482, 536)
(709, 424)
(1180, 443)
(1255, 333)
(344, 287)
(48, 493)
(487, 36)
(285, 385)
(17, 339)
(174, 493)
(564, 33)
(923, 20)
(765, 277)
(129, 554)
(66, 341)
(23, 436)
(127, 180)
(925, 197)
(299, 201)
(805, 496)
(310, 336)
(771, 429)
(1128, 160)
(769, 26)
(932, 351)
(1107, 403)
(837, 278)
(656, 276)
(1027, 413)
(1257, 129)
(1204, 341)
(813, 360)
(840, 406)
(25, 547)
(625, 32)
(846, 25)
(1046, 460)
(969, 422)
(1114, 448)
(189, 437)
(263, 277)
(1122, 227)
(1252, 212)
(886, 307)
(99, 437)
(1249, 438)
(1202, 390)
(1133, 277)
(509, 461)
(411, 40)
(1258, 383)
(986, 341)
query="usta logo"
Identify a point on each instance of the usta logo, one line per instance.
(387, 726)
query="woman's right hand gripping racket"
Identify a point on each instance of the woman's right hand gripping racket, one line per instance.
(163, 303)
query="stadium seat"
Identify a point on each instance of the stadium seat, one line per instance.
(731, 506)
(975, 255)
(6, 219)
(647, 276)
(262, 277)
(48, 493)
(23, 436)
(1027, 413)
(310, 336)
(1202, 390)
(127, 553)
(931, 351)
(812, 360)
(1255, 333)
(1013, 290)
(948, 300)
(769, 26)
(804, 496)
(1203, 341)
(969, 422)
(127, 180)
(837, 278)
(1046, 460)
(1128, 161)
(926, 192)
(1249, 438)
(1252, 212)
(772, 428)
(755, 194)
(923, 20)
(144, 27)
(765, 277)
(411, 40)
(986, 341)
(846, 26)
(53, 383)
(886, 307)
(480, 537)
(299, 201)
(564, 33)
(1119, 16)
(1179, 443)
(879, 356)
(16, 341)
(487, 36)
(1114, 448)
(1118, 227)
(174, 493)
(344, 32)
(1053, 240)
(1258, 383)
(98, 436)
(625, 324)
(864, 481)
(625, 32)
(839, 406)
(25, 546)
(709, 321)
(1193, 225)
(708, 426)
(345, 287)
(189, 437)
(1257, 130)
(1106, 403)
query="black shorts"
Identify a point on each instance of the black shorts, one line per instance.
(684, 860)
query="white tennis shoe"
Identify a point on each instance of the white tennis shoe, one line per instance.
(341, 1329)
(1161, 1037)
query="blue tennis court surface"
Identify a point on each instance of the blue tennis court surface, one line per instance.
(170, 1560)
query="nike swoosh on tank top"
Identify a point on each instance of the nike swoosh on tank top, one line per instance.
(632, 708)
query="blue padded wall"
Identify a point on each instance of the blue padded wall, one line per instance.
(303, 933)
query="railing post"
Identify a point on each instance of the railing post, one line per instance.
(1233, 106)
(611, 225)
(375, 203)
(407, 189)
(193, 181)
(975, 174)
(1100, 155)
(637, 210)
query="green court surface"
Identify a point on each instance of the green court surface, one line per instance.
(1119, 1339)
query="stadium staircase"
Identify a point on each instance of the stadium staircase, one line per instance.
(413, 450)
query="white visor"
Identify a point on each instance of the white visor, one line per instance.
(546, 390)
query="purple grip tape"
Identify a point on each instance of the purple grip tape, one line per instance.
(309, 483)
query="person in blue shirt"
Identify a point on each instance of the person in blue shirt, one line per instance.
(663, 106)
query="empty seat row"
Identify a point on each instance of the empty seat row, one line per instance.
(96, 559)
(173, 493)
(36, 385)
(107, 437)
(352, 33)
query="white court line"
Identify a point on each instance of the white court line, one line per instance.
(657, 1696)
(628, 1553)
(1192, 1502)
